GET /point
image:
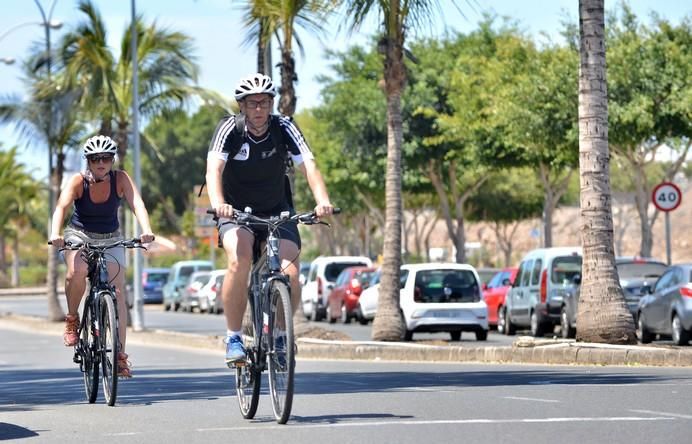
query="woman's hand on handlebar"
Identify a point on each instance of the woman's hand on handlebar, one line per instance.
(224, 210)
(147, 237)
(57, 241)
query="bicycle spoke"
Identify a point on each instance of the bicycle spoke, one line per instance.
(248, 380)
(281, 352)
(109, 346)
(87, 349)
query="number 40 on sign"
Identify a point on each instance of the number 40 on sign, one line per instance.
(666, 196)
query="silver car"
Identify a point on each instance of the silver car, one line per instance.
(667, 310)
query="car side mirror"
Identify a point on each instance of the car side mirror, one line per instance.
(484, 286)
(577, 279)
(506, 282)
(646, 289)
(330, 287)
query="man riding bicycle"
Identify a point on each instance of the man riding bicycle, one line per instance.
(254, 176)
(96, 195)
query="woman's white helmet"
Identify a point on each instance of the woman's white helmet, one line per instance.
(99, 145)
(254, 84)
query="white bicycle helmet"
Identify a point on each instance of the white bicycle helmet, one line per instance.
(99, 145)
(254, 84)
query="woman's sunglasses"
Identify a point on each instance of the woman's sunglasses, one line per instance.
(96, 159)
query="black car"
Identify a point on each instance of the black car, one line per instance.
(635, 274)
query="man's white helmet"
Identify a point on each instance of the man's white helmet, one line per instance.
(254, 84)
(99, 145)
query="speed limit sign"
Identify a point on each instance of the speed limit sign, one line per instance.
(666, 196)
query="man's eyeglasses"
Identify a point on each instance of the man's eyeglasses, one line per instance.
(263, 104)
(97, 159)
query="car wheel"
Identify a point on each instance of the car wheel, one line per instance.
(481, 335)
(408, 335)
(644, 335)
(566, 330)
(456, 335)
(509, 328)
(501, 320)
(680, 335)
(536, 327)
(313, 313)
(166, 307)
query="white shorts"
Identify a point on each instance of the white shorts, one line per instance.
(114, 255)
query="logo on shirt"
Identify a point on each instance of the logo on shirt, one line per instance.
(266, 154)
(244, 152)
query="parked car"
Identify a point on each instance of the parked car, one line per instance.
(635, 273)
(191, 297)
(343, 299)
(667, 309)
(304, 270)
(215, 298)
(367, 302)
(206, 295)
(545, 277)
(323, 273)
(177, 280)
(438, 297)
(485, 274)
(495, 291)
(153, 280)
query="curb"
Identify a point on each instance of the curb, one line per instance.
(551, 352)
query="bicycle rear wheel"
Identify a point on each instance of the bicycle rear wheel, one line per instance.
(88, 351)
(248, 378)
(281, 351)
(110, 345)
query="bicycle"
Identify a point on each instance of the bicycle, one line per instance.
(98, 328)
(270, 342)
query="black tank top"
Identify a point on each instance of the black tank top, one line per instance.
(97, 217)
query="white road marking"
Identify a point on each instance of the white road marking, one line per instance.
(518, 398)
(675, 415)
(444, 421)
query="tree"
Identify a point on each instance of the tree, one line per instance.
(602, 313)
(397, 17)
(649, 92)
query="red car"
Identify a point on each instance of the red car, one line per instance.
(343, 299)
(495, 290)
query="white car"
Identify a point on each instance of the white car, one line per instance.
(367, 302)
(438, 297)
(208, 293)
(323, 273)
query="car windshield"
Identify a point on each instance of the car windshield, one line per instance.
(333, 270)
(633, 270)
(565, 268)
(364, 277)
(157, 278)
(446, 286)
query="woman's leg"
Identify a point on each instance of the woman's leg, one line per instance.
(75, 284)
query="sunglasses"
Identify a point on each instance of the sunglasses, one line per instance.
(96, 159)
(263, 104)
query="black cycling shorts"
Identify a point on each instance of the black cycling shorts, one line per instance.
(287, 231)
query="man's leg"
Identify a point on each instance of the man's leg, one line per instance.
(237, 243)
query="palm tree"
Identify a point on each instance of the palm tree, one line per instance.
(602, 314)
(281, 17)
(398, 16)
(47, 118)
(167, 73)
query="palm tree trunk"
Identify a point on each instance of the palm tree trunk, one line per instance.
(388, 324)
(602, 313)
(287, 99)
(3, 262)
(15, 260)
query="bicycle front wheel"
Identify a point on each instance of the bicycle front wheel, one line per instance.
(110, 346)
(248, 377)
(88, 351)
(281, 351)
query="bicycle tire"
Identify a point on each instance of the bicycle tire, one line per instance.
(110, 346)
(88, 349)
(248, 378)
(281, 351)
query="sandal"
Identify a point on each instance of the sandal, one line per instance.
(70, 337)
(124, 370)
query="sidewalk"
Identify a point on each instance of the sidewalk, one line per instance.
(525, 350)
(25, 291)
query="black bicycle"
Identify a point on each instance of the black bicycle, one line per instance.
(98, 344)
(269, 340)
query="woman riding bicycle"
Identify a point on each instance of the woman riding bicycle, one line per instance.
(96, 195)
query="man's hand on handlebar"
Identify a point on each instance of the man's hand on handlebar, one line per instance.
(324, 209)
(224, 210)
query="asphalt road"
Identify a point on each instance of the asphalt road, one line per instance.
(211, 324)
(184, 395)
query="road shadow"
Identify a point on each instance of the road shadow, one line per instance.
(13, 431)
(24, 389)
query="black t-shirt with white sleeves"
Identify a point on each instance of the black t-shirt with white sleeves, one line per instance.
(254, 177)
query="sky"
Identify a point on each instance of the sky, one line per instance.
(216, 27)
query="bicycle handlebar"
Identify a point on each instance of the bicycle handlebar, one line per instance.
(127, 243)
(246, 217)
